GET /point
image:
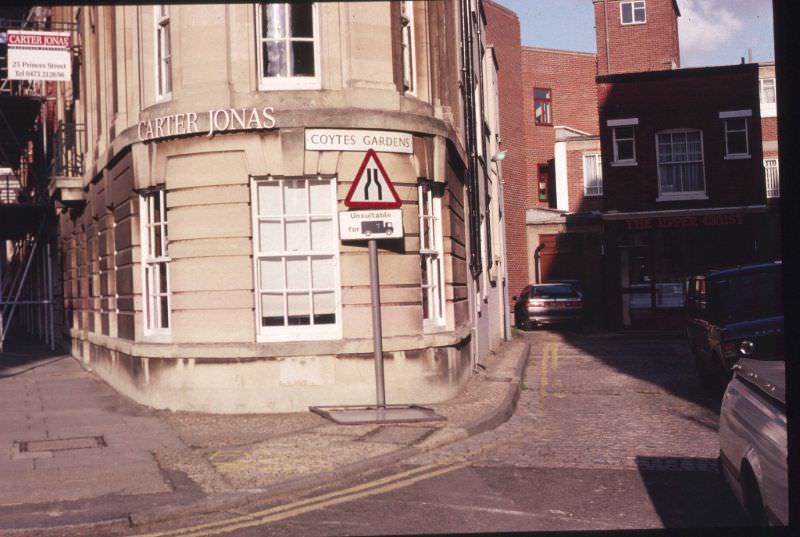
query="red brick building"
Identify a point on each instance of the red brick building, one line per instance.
(636, 173)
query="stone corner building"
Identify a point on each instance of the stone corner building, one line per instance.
(202, 264)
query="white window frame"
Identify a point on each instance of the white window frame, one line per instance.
(148, 227)
(287, 332)
(773, 184)
(408, 45)
(768, 108)
(431, 259)
(593, 190)
(615, 139)
(637, 5)
(728, 130)
(683, 194)
(267, 83)
(163, 51)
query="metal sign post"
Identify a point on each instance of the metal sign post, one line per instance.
(377, 335)
(383, 219)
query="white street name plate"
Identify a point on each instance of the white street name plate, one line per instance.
(359, 140)
(371, 224)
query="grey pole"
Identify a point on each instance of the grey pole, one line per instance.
(377, 337)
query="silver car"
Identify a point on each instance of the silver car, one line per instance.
(546, 303)
(752, 439)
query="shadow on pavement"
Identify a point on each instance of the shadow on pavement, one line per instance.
(22, 354)
(662, 359)
(688, 491)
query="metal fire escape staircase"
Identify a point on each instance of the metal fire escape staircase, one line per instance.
(32, 150)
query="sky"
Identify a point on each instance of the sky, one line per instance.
(711, 32)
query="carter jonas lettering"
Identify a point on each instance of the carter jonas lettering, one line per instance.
(221, 120)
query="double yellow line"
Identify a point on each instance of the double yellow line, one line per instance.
(549, 366)
(280, 512)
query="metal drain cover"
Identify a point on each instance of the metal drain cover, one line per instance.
(359, 415)
(26, 449)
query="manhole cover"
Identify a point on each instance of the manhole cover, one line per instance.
(34, 448)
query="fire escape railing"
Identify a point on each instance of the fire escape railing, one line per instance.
(69, 141)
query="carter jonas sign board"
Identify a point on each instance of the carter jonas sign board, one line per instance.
(39, 55)
(359, 140)
(208, 123)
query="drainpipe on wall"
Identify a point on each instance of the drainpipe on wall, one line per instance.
(605, 27)
(537, 259)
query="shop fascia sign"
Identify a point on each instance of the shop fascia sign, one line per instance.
(215, 120)
(674, 222)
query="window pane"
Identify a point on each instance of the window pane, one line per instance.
(269, 198)
(296, 235)
(297, 273)
(322, 234)
(162, 278)
(735, 124)
(541, 93)
(627, 12)
(272, 310)
(322, 272)
(324, 307)
(623, 132)
(302, 58)
(294, 197)
(320, 194)
(298, 309)
(737, 143)
(164, 320)
(271, 277)
(302, 21)
(275, 61)
(274, 20)
(270, 236)
(624, 150)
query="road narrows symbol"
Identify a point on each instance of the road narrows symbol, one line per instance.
(372, 188)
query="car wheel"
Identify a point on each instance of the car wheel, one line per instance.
(753, 503)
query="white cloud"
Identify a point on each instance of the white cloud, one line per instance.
(704, 27)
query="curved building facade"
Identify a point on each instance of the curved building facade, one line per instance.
(203, 266)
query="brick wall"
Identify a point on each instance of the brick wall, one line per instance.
(688, 98)
(570, 77)
(651, 46)
(504, 34)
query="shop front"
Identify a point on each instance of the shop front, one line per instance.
(651, 257)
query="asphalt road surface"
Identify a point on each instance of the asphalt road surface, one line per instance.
(608, 433)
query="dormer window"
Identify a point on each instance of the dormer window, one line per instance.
(632, 12)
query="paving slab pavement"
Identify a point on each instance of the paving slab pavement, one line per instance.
(76, 456)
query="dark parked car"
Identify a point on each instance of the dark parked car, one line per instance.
(734, 313)
(547, 303)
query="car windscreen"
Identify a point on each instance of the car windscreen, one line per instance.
(744, 297)
(555, 291)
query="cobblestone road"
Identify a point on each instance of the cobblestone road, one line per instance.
(604, 403)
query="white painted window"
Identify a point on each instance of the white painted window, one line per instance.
(155, 263)
(288, 51)
(163, 52)
(431, 255)
(624, 144)
(768, 97)
(773, 177)
(408, 46)
(296, 255)
(736, 144)
(680, 163)
(592, 175)
(632, 12)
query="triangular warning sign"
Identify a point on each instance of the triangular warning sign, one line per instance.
(372, 188)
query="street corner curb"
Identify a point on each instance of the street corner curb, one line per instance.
(288, 486)
(505, 409)
(101, 527)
